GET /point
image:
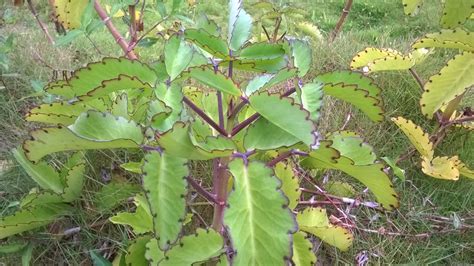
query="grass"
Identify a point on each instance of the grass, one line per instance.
(370, 23)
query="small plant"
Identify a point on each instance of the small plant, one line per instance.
(442, 93)
(244, 108)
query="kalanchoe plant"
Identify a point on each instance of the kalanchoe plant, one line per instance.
(194, 105)
(441, 94)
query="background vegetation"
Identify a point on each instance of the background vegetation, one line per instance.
(426, 229)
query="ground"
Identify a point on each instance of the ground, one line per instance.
(422, 231)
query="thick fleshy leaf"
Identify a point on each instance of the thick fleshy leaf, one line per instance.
(453, 80)
(240, 25)
(42, 173)
(59, 113)
(69, 13)
(370, 54)
(371, 176)
(411, 7)
(352, 146)
(178, 55)
(262, 50)
(209, 43)
(164, 181)
(172, 97)
(113, 194)
(121, 82)
(140, 220)
(289, 183)
(456, 39)
(200, 247)
(267, 81)
(303, 254)
(119, 106)
(456, 12)
(441, 167)
(75, 181)
(255, 214)
(31, 218)
(340, 189)
(316, 222)
(136, 251)
(312, 99)
(259, 66)
(153, 254)
(210, 26)
(302, 56)
(418, 138)
(285, 114)
(399, 172)
(374, 59)
(353, 78)
(215, 80)
(263, 135)
(91, 76)
(360, 98)
(464, 170)
(7, 248)
(177, 142)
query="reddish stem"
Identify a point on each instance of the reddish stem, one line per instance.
(204, 116)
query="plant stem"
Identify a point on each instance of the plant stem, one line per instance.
(345, 12)
(451, 108)
(204, 116)
(244, 124)
(118, 37)
(220, 180)
(201, 191)
(284, 156)
(41, 24)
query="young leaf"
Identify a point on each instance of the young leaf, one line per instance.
(42, 173)
(215, 80)
(456, 39)
(200, 247)
(302, 56)
(400, 173)
(411, 7)
(178, 55)
(371, 176)
(164, 181)
(254, 213)
(453, 80)
(416, 135)
(177, 142)
(285, 114)
(31, 218)
(140, 221)
(240, 25)
(441, 167)
(262, 51)
(352, 146)
(456, 12)
(303, 254)
(263, 135)
(312, 99)
(316, 222)
(172, 97)
(289, 183)
(209, 43)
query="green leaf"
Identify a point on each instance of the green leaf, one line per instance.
(262, 50)
(164, 181)
(259, 66)
(285, 114)
(453, 80)
(98, 260)
(177, 142)
(140, 221)
(133, 167)
(302, 56)
(371, 176)
(201, 246)
(316, 222)
(263, 135)
(312, 99)
(456, 39)
(255, 214)
(340, 189)
(456, 12)
(136, 251)
(68, 38)
(113, 194)
(26, 255)
(289, 183)
(411, 7)
(353, 78)
(31, 218)
(418, 138)
(216, 80)
(210, 26)
(172, 97)
(352, 146)
(74, 182)
(91, 76)
(209, 43)
(400, 173)
(153, 254)
(240, 25)
(122, 82)
(303, 254)
(12, 247)
(42, 173)
(267, 81)
(256, 83)
(178, 55)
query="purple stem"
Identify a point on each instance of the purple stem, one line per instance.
(204, 116)
(201, 191)
(284, 156)
(244, 124)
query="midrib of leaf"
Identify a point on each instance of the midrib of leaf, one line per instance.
(248, 191)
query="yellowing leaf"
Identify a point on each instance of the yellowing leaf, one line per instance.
(416, 135)
(441, 167)
(69, 12)
(411, 7)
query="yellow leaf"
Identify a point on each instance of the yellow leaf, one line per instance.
(416, 135)
(441, 167)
